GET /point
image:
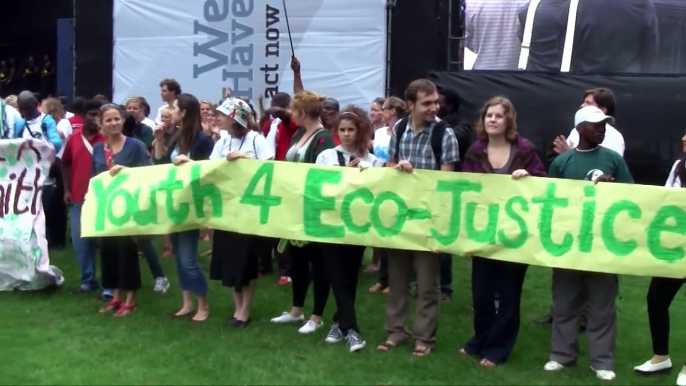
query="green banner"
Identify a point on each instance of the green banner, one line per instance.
(609, 227)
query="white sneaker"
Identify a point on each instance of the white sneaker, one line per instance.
(161, 285)
(652, 368)
(310, 327)
(553, 366)
(681, 379)
(605, 375)
(288, 318)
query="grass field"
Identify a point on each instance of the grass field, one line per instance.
(57, 338)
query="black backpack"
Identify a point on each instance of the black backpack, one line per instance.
(43, 127)
(436, 139)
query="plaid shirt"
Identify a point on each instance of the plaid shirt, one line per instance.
(416, 147)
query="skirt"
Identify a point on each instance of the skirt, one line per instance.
(235, 259)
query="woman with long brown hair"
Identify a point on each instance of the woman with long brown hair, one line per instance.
(499, 150)
(120, 266)
(661, 294)
(190, 144)
(306, 145)
(343, 262)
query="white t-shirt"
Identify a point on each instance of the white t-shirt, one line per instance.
(34, 127)
(613, 139)
(673, 181)
(149, 122)
(10, 118)
(273, 131)
(68, 115)
(329, 157)
(64, 127)
(252, 145)
(382, 141)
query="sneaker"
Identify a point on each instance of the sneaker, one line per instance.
(310, 327)
(355, 341)
(553, 366)
(284, 280)
(605, 375)
(681, 379)
(335, 334)
(161, 285)
(288, 318)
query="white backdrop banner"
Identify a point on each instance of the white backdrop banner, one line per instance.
(24, 261)
(244, 45)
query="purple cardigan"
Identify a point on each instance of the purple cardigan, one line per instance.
(525, 157)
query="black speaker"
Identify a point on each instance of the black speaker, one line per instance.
(93, 47)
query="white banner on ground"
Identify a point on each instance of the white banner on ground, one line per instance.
(24, 261)
(244, 45)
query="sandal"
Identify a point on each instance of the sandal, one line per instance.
(420, 352)
(486, 363)
(110, 306)
(386, 346)
(371, 268)
(377, 288)
(125, 310)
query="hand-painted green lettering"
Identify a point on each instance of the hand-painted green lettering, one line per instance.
(607, 227)
(102, 196)
(176, 216)
(400, 216)
(520, 240)
(659, 225)
(456, 187)
(367, 197)
(486, 235)
(128, 204)
(314, 203)
(545, 221)
(202, 191)
(264, 201)
(585, 238)
(148, 216)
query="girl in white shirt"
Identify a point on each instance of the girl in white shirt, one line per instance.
(343, 261)
(661, 293)
(235, 260)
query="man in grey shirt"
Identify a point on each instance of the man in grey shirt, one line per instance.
(492, 33)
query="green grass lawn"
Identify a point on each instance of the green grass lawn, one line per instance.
(53, 337)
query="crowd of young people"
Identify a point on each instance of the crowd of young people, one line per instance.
(400, 134)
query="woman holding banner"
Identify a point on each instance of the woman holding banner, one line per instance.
(235, 260)
(661, 293)
(306, 145)
(191, 144)
(499, 150)
(120, 267)
(343, 262)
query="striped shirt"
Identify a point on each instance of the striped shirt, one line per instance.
(416, 147)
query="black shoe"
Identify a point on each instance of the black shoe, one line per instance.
(548, 319)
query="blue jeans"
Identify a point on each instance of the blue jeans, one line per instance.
(191, 277)
(145, 245)
(84, 248)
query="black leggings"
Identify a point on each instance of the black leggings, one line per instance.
(343, 264)
(307, 265)
(660, 295)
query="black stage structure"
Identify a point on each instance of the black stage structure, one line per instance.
(425, 38)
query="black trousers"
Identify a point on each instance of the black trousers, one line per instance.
(343, 264)
(661, 293)
(308, 266)
(267, 247)
(383, 267)
(55, 208)
(120, 268)
(495, 334)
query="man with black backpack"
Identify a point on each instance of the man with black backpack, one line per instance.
(420, 141)
(34, 124)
